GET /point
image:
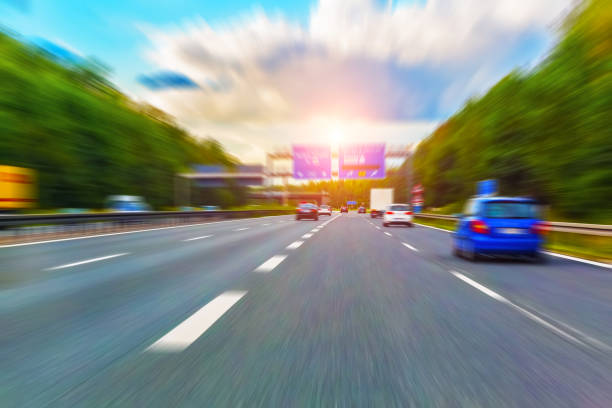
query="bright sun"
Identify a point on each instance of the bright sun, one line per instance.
(336, 137)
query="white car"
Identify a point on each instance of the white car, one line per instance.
(325, 210)
(397, 214)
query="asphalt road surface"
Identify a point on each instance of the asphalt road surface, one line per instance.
(273, 312)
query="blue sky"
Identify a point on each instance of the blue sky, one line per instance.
(257, 74)
(109, 29)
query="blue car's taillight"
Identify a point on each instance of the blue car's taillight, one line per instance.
(540, 228)
(479, 227)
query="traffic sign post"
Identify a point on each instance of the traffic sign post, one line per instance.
(417, 198)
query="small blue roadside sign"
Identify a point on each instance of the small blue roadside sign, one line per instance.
(486, 187)
(351, 202)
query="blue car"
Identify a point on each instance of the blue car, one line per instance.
(499, 226)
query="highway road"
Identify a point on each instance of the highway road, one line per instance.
(273, 312)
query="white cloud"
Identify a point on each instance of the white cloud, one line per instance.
(440, 31)
(354, 59)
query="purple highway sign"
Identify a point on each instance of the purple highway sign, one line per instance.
(311, 162)
(362, 161)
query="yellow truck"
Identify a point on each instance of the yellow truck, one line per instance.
(17, 188)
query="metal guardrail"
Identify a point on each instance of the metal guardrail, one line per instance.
(437, 216)
(18, 227)
(568, 227)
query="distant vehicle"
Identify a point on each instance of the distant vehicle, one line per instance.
(325, 210)
(361, 210)
(210, 208)
(499, 226)
(380, 198)
(123, 203)
(344, 208)
(397, 214)
(307, 210)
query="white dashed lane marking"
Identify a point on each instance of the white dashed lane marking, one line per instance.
(295, 245)
(386, 233)
(196, 238)
(86, 261)
(240, 229)
(410, 247)
(270, 264)
(306, 236)
(187, 332)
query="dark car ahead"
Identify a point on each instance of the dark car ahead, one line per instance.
(499, 226)
(344, 209)
(307, 210)
(361, 210)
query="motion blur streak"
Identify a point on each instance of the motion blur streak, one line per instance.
(347, 308)
(486, 283)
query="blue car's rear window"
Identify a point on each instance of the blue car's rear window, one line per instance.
(510, 209)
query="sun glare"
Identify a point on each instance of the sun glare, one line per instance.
(336, 137)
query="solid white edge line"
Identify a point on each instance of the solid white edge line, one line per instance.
(527, 313)
(584, 336)
(410, 247)
(571, 258)
(306, 236)
(86, 261)
(196, 238)
(50, 241)
(295, 245)
(436, 228)
(183, 335)
(270, 264)
(387, 233)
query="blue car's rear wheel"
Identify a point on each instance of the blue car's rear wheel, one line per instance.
(537, 257)
(469, 252)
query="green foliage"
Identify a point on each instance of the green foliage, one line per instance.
(85, 139)
(545, 133)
